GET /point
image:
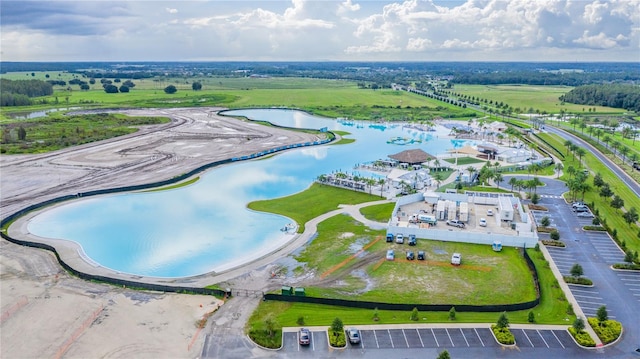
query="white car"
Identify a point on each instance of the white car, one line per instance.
(586, 214)
(456, 259)
(391, 255)
(399, 238)
(489, 212)
(483, 222)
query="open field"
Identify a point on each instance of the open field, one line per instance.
(525, 97)
(333, 98)
(433, 281)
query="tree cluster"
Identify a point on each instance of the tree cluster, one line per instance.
(611, 95)
(19, 92)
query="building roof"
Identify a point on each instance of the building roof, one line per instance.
(467, 150)
(412, 156)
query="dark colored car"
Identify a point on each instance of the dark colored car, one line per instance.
(412, 240)
(410, 256)
(390, 237)
(354, 335)
(304, 337)
(421, 255)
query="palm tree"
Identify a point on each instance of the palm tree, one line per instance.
(623, 151)
(580, 152)
(438, 178)
(568, 145)
(559, 168)
(497, 178)
(513, 182)
(382, 182)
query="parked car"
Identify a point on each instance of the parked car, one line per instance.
(456, 259)
(304, 337)
(489, 212)
(399, 238)
(412, 240)
(577, 204)
(586, 214)
(455, 223)
(483, 222)
(421, 255)
(636, 165)
(581, 209)
(354, 335)
(410, 256)
(391, 255)
(390, 237)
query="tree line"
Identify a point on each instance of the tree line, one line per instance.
(20, 92)
(611, 95)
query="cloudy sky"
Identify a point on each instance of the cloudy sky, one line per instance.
(317, 30)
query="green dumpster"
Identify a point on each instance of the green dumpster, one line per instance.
(287, 290)
(299, 292)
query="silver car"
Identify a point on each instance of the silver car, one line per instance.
(354, 335)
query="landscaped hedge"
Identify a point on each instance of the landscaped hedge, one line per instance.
(261, 337)
(579, 280)
(583, 338)
(553, 243)
(627, 266)
(542, 229)
(337, 339)
(503, 335)
(608, 331)
(594, 228)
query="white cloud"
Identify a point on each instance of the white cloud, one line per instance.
(321, 30)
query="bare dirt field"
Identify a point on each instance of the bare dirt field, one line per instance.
(46, 313)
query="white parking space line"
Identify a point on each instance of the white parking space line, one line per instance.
(464, 336)
(630, 280)
(554, 334)
(545, 342)
(313, 342)
(390, 338)
(588, 302)
(376, 336)
(449, 335)
(298, 340)
(481, 342)
(420, 336)
(405, 338)
(526, 336)
(586, 296)
(584, 291)
(434, 337)
(629, 276)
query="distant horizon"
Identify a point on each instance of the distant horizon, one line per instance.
(317, 61)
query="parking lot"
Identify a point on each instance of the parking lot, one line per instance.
(416, 338)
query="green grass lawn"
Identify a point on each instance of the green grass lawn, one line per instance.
(312, 202)
(379, 212)
(464, 160)
(542, 98)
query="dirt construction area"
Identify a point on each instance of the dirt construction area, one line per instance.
(46, 313)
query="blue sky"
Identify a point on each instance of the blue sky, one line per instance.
(304, 30)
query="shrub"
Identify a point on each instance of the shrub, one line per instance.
(452, 313)
(503, 321)
(415, 315)
(594, 228)
(545, 221)
(300, 321)
(261, 337)
(376, 316)
(337, 325)
(337, 339)
(531, 317)
(555, 235)
(503, 335)
(608, 331)
(582, 338)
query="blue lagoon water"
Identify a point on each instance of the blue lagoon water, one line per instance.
(206, 226)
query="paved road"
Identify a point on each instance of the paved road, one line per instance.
(628, 181)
